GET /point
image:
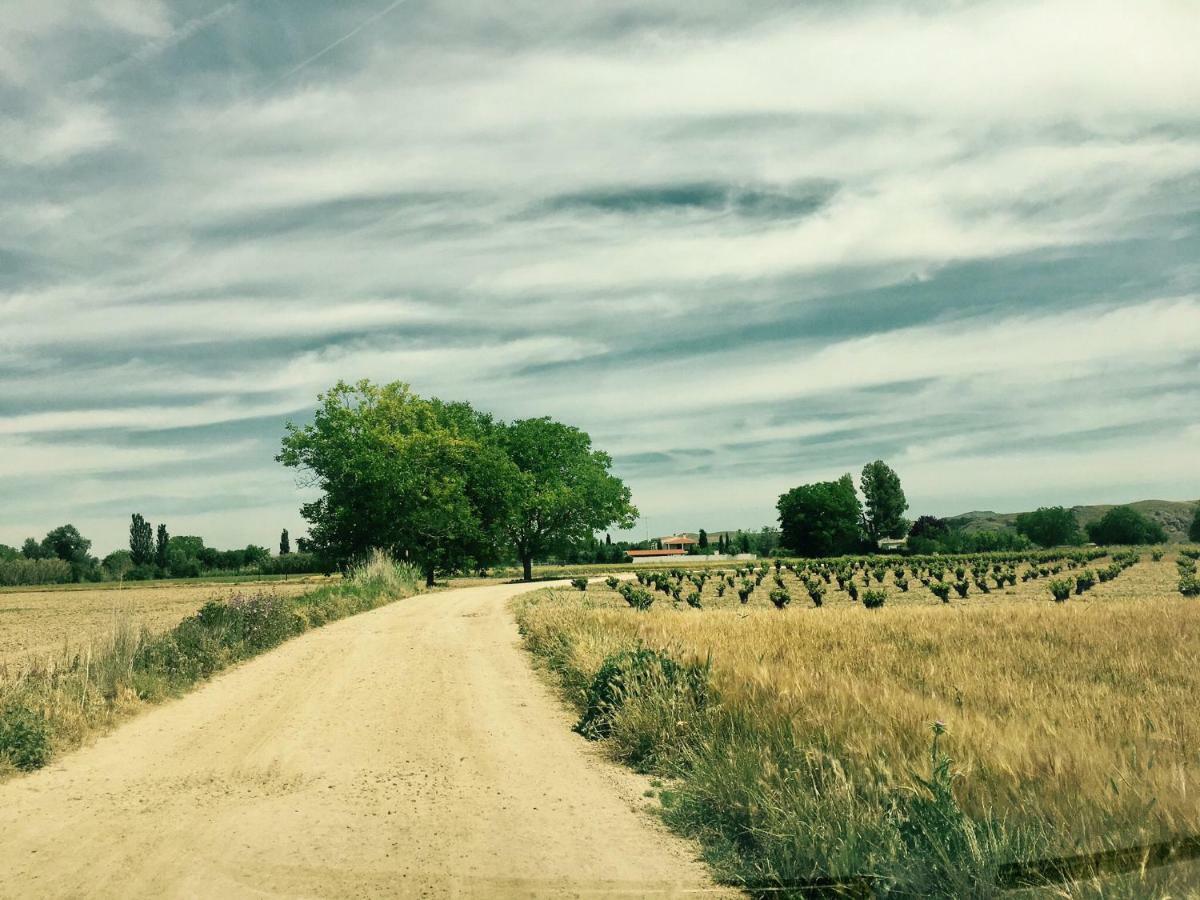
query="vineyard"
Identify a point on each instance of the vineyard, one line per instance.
(926, 720)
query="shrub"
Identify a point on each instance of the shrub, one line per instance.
(816, 590)
(852, 590)
(874, 598)
(781, 598)
(941, 590)
(962, 587)
(612, 581)
(1084, 580)
(1156, 555)
(1189, 585)
(902, 583)
(630, 674)
(579, 583)
(693, 600)
(24, 738)
(1060, 588)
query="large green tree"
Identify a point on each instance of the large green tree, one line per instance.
(1194, 528)
(1050, 526)
(564, 491)
(419, 478)
(821, 519)
(1125, 525)
(66, 543)
(883, 515)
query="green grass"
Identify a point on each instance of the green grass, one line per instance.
(50, 709)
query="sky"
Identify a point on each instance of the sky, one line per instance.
(744, 244)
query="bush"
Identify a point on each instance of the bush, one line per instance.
(35, 571)
(1189, 585)
(630, 674)
(24, 738)
(1084, 580)
(693, 599)
(962, 587)
(874, 598)
(638, 598)
(579, 583)
(1060, 588)
(941, 590)
(781, 598)
(816, 590)
(612, 581)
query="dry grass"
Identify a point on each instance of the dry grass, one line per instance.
(44, 624)
(1076, 723)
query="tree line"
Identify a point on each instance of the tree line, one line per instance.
(827, 518)
(64, 555)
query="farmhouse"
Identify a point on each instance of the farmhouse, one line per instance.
(676, 545)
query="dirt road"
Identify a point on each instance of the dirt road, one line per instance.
(408, 751)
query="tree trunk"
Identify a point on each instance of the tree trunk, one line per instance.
(527, 562)
(429, 577)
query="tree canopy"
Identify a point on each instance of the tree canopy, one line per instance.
(1050, 526)
(1125, 525)
(444, 485)
(563, 491)
(883, 515)
(1194, 528)
(821, 519)
(422, 479)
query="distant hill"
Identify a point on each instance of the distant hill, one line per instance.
(1174, 515)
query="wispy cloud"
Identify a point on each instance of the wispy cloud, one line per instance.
(745, 245)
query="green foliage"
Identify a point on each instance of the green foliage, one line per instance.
(580, 584)
(1194, 528)
(1125, 525)
(8, 554)
(612, 581)
(24, 738)
(629, 674)
(883, 514)
(874, 598)
(141, 541)
(1084, 581)
(941, 590)
(162, 546)
(421, 479)
(285, 543)
(35, 571)
(821, 519)
(562, 492)
(781, 598)
(67, 544)
(1050, 526)
(1060, 588)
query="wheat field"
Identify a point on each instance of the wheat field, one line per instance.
(1072, 726)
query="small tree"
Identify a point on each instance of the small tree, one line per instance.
(285, 543)
(702, 543)
(161, 546)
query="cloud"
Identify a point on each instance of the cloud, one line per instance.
(743, 244)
